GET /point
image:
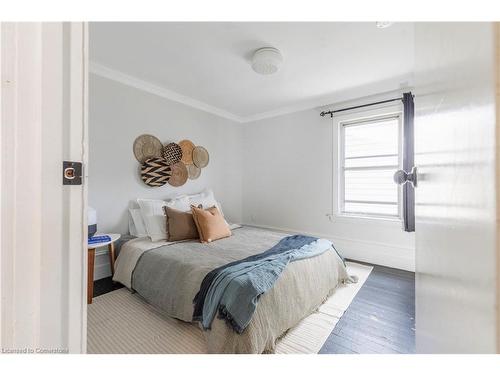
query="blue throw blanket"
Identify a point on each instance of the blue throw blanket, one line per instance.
(233, 290)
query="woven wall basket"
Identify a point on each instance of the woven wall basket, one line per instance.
(172, 153)
(156, 172)
(187, 151)
(193, 171)
(147, 146)
(179, 174)
(200, 157)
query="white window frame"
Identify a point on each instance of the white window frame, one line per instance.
(352, 119)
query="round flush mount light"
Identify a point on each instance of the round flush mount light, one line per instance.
(267, 60)
(383, 24)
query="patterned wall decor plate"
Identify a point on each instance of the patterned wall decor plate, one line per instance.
(172, 153)
(156, 172)
(187, 151)
(193, 171)
(147, 146)
(179, 174)
(200, 157)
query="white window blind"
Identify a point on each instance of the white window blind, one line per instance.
(370, 154)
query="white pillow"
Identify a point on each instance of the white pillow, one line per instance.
(136, 223)
(180, 203)
(154, 217)
(207, 199)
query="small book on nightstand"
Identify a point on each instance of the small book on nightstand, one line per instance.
(98, 239)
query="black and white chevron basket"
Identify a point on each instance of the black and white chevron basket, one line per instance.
(155, 172)
(172, 153)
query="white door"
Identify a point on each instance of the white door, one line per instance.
(455, 197)
(42, 233)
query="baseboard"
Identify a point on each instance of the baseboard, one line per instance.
(365, 251)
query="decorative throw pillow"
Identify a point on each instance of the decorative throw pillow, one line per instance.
(180, 225)
(210, 223)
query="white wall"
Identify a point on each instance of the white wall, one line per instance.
(274, 173)
(287, 184)
(118, 114)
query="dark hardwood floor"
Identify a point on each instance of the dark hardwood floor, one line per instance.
(380, 319)
(104, 286)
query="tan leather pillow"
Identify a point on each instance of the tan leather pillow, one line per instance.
(180, 225)
(210, 223)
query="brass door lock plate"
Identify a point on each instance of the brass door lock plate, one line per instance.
(72, 173)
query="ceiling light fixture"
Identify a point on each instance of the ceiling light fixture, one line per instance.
(383, 24)
(267, 60)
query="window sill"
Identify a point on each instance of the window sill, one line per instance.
(355, 217)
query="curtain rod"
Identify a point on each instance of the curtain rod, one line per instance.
(358, 106)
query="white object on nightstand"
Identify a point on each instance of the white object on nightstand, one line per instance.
(91, 258)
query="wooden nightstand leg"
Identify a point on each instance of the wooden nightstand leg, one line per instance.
(111, 248)
(90, 276)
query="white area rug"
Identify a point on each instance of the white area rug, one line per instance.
(121, 322)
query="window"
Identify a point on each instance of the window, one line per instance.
(370, 153)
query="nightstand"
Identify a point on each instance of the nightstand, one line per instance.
(91, 259)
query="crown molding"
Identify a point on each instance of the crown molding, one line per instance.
(355, 96)
(126, 79)
(318, 103)
(129, 80)
(310, 104)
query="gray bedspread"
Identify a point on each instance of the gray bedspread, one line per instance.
(169, 277)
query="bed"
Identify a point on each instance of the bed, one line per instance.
(168, 276)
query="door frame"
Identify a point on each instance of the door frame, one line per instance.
(497, 173)
(78, 122)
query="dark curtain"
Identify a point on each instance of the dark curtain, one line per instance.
(408, 162)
